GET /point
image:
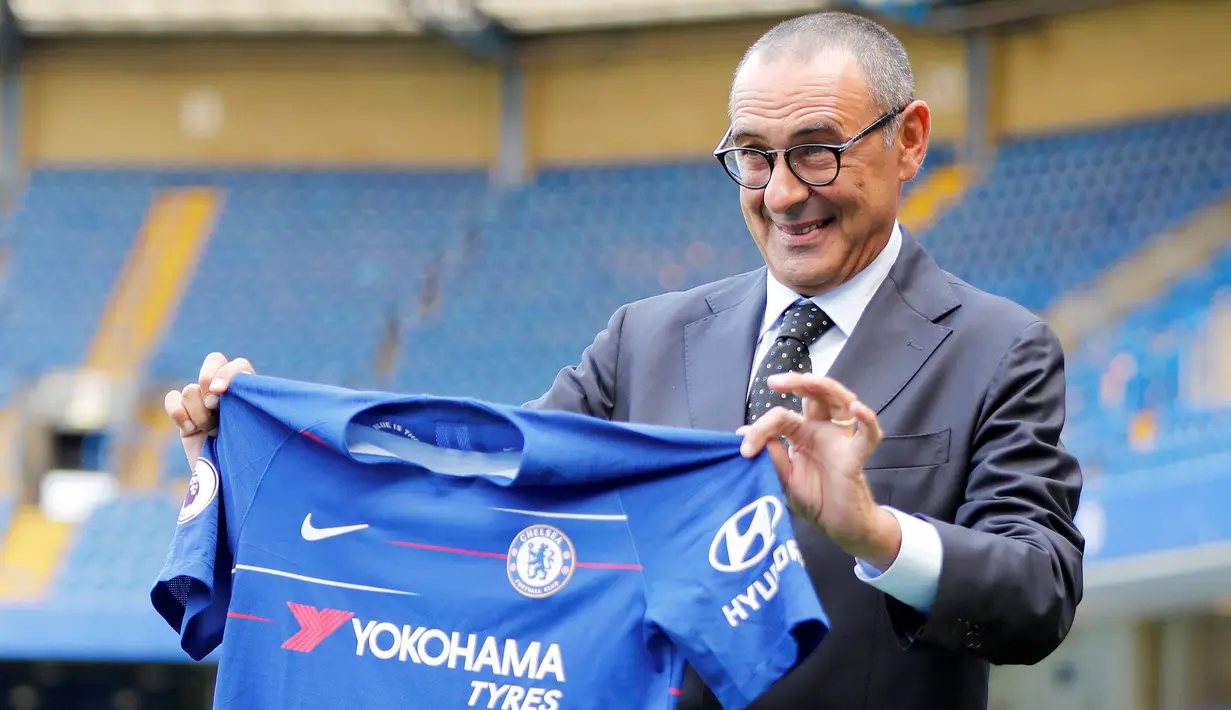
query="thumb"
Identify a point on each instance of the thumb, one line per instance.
(869, 435)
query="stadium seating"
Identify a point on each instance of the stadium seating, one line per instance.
(318, 261)
(1091, 196)
(69, 237)
(1141, 393)
(303, 266)
(566, 252)
(304, 261)
(115, 556)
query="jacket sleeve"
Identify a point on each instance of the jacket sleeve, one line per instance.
(588, 387)
(1011, 575)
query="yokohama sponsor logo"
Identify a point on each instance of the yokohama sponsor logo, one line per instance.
(315, 626)
(470, 652)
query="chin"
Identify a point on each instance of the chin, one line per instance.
(804, 274)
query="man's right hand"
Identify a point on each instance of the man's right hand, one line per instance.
(194, 408)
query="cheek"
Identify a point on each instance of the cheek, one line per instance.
(751, 203)
(871, 183)
(855, 193)
(856, 183)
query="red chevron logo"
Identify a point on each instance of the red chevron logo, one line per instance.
(315, 626)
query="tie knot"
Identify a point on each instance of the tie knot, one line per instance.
(803, 321)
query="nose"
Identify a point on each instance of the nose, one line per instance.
(784, 191)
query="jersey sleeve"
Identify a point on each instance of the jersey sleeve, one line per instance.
(193, 588)
(724, 577)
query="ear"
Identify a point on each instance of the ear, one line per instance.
(913, 136)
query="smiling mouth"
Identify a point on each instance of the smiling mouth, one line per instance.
(801, 230)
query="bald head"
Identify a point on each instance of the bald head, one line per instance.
(879, 55)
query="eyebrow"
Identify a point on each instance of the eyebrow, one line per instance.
(819, 125)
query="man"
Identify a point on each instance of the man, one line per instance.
(933, 498)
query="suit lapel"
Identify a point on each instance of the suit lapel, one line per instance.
(895, 336)
(718, 351)
(897, 332)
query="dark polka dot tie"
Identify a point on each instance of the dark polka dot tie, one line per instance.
(802, 324)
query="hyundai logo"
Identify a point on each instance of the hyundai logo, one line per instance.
(747, 537)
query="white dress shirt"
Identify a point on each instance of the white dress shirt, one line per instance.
(915, 575)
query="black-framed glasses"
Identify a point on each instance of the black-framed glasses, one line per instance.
(816, 164)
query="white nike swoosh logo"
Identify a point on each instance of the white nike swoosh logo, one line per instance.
(313, 534)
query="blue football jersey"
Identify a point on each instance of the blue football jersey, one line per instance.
(349, 549)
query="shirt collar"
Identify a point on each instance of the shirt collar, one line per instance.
(844, 304)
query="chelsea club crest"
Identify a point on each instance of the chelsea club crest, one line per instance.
(541, 561)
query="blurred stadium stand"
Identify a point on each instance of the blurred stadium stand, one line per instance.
(115, 554)
(1150, 391)
(68, 228)
(348, 247)
(119, 272)
(577, 243)
(1093, 195)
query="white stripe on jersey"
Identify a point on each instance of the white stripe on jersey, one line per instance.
(569, 516)
(318, 580)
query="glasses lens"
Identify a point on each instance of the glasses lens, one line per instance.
(815, 165)
(748, 167)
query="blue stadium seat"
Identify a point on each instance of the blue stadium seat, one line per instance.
(116, 555)
(69, 227)
(303, 265)
(1161, 343)
(1093, 196)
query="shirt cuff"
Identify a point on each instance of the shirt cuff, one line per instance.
(914, 576)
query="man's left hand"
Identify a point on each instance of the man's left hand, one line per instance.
(823, 472)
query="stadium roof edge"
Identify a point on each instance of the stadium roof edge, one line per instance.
(521, 17)
(255, 17)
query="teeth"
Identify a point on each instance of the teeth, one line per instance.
(804, 231)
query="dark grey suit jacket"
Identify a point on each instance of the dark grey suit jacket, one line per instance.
(969, 389)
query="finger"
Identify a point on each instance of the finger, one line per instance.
(193, 446)
(775, 423)
(199, 415)
(191, 437)
(209, 369)
(786, 474)
(222, 380)
(830, 398)
(814, 408)
(173, 402)
(782, 460)
(812, 384)
(869, 433)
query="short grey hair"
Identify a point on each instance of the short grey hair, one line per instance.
(878, 53)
